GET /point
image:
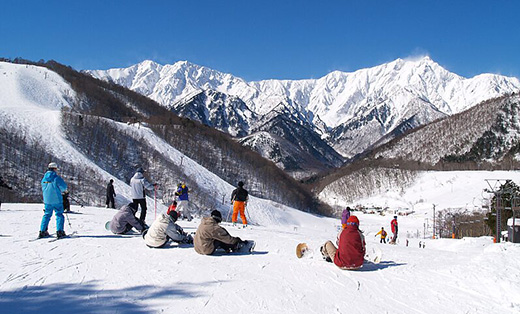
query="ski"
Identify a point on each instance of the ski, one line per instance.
(72, 235)
(38, 238)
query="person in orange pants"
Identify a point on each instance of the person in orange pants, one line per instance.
(239, 199)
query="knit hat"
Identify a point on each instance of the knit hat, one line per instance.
(173, 215)
(240, 183)
(216, 215)
(352, 221)
(141, 170)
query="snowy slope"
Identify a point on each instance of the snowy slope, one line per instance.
(445, 189)
(98, 272)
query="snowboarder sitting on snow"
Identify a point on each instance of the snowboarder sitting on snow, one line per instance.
(344, 217)
(383, 234)
(52, 187)
(163, 229)
(125, 219)
(350, 253)
(210, 236)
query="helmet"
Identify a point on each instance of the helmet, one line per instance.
(52, 165)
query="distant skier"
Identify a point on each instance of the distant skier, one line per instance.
(164, 229)
(383, 234)
(344, 217)
(139, 184)
(184, 205)
(124, 220)
(66, 202)
(111, 193)
(210, 236)
(350, 253)
(395, 228)
(239, 198)
(3, 185)
(52, 187)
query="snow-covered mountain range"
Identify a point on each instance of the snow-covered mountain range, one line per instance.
(351, 111)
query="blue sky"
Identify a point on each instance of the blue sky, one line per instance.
(266, 39)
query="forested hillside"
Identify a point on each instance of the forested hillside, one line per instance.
(91, 125)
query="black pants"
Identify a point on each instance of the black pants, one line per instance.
(142, 202)
(226, 247)
(383, 240)
(111, 203)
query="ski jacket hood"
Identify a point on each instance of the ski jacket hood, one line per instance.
(351, 248)
(209, 231)
(52, 187)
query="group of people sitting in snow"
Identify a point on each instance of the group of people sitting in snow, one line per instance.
(209, 237)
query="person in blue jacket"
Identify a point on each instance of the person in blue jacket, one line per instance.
(52, 187)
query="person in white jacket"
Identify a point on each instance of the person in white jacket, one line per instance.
(164, 229)
(138, 183)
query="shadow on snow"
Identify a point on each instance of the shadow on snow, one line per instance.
(91, 298)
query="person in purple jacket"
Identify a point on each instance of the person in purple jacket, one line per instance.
(344, 217)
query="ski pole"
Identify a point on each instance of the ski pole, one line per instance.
(68, 220)
(247, 214)
(229, 212)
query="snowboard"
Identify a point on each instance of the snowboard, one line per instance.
(247, 247)
(301, 249)
(107, 226)
(373, 255)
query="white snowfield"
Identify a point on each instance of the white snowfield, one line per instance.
(98, 272)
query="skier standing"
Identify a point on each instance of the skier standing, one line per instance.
(184, 202)
(344, 217)
(210, 236)
(125, 219)
(52, 188)
(383, 234)
(3, 185)
(351, 247)
(164, 229)
(111, 193)
(395, 228)
(139, 184)
(66, 202)
(239, 198)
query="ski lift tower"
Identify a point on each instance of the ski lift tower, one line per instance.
(494, 187)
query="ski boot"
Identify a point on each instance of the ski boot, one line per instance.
(60, 234)
(43, 234)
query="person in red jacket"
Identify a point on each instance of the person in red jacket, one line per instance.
(395, 228)
(350, 253)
